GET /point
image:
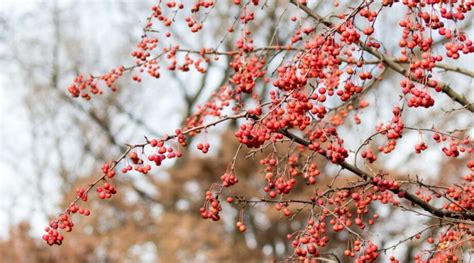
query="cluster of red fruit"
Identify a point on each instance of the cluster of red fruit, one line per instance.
(247, 72)
(253, 135)
(85, 87)
(203, 147)
(369, 155)
(463, 197)
(240, 226)
(392, 130)
(418, 98)
(211, 208)
(229, 179)
(306, 242)
(419, 147)
(311, 173)
(106, 191)
(64, 220)
(370, 254)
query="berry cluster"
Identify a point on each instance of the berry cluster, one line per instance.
(311, 173)
(229, 179)
(106, 191)
(369, 155)
(253, 135)
(420, 147)
(240, 226)
(211, 208)
(203, 147)
(246, 73)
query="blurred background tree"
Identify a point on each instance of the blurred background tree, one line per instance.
(52, 144)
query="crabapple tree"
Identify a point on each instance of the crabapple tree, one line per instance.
(298, 101)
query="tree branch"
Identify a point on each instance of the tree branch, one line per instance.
(390, 61)
(407, 195)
